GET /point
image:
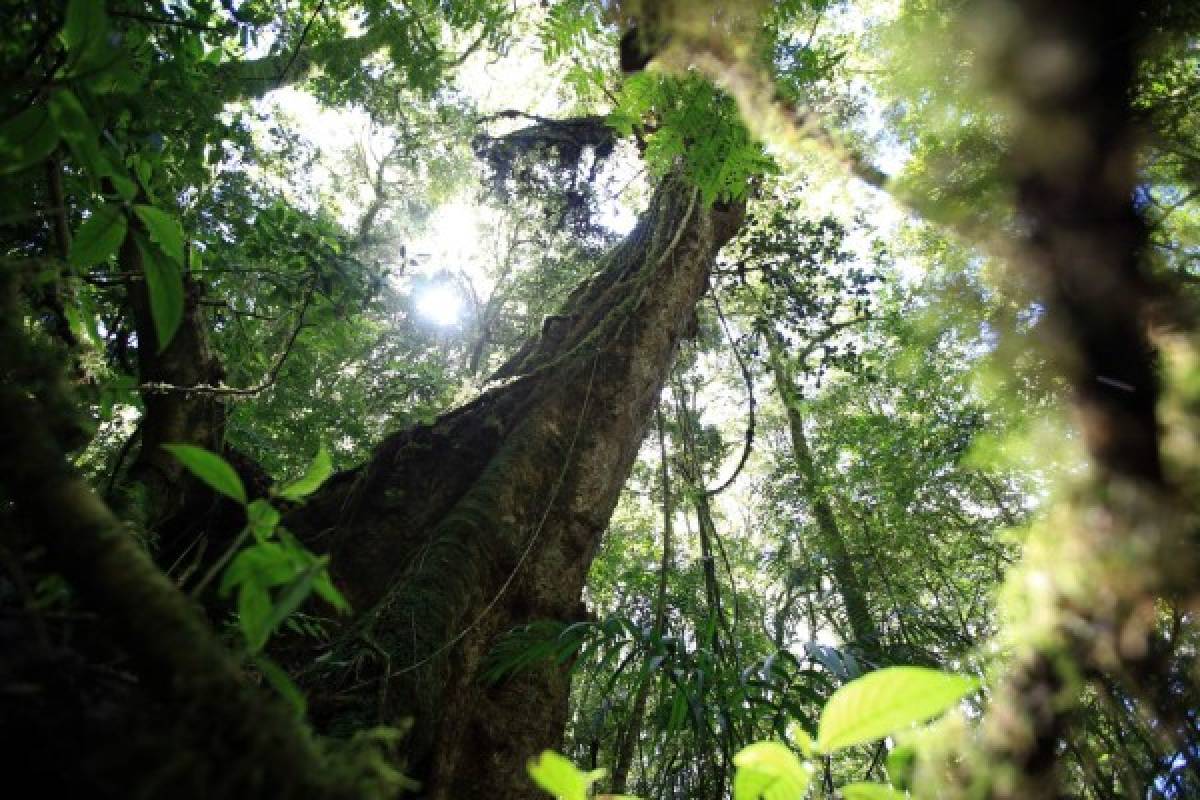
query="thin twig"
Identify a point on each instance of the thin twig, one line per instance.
(300, 44)
(749, 379)
(232, 391)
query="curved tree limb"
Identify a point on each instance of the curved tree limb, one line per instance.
(178, 656)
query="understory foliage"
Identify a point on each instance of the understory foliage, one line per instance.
(913, 513)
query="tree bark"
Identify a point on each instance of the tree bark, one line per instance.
(457, 531)
(190, 524)
(253, 79)
(172, 415)
(1069, 67)
(833, 544)
(238, 743)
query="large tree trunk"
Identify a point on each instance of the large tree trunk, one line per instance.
(456, 532)
(177, 410)
(182, 388)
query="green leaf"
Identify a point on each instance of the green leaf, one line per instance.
(80, 325)
(871, 791)
(900, 764)
(80, 134)
(144, 171)
(85, 23)
(164, 284)
(254, 610)
(266, 565)
(323, 585)
(771, 771)
(885, 701)
(124, 186)
(27, 139)
(87, 310)
(262, 519)
(293, 596)
(803, 740)
(98, 237)
(281, 683)
(318, 472)
(210, 468)
(164, 229)
(558, 776)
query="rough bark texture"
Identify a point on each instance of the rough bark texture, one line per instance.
(172, 414)
(189, 525)
(458, 531)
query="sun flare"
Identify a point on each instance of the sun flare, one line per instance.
(441, 304)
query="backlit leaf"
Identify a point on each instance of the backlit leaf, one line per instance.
(98, 237)
(558, 776)
(885, 701)
(318, 471)
(210, 468)
(164, 229)
(770, 771)
(164, 284)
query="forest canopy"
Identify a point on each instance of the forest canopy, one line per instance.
(600, 398)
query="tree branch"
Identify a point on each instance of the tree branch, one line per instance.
(178, 655)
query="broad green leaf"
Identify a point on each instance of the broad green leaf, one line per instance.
(144, 171)
(885, 701)
(164, 284)
(210, 468)
(118, 75)
(318, 472)
(266, 564)
(125, 186)
(80, 326)
(82, 317)
(98, 237)
(871, 791)
(281, 683)
(27, 139)
(771, 771)
(254, 611)
(164, 229)
(558, 776)
(80, 134)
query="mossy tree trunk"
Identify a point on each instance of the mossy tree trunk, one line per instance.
(456, 532)
(1129, 526)
(865, 633)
